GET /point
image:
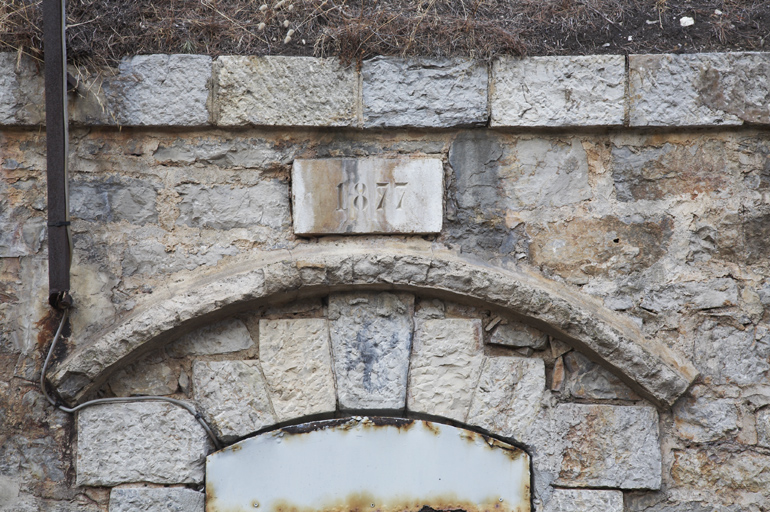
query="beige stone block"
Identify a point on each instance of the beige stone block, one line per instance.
(508, 396)
(285, 91)
(296, 360)
(233, 397)
(445, 366)
(368, 195)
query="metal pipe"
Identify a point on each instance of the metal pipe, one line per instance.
(56, 121)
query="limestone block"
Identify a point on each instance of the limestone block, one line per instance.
(558, 91)
(371, 337)
(230, 335)
(586, 379)
(763, 427)
(233, 397)
(711, 469)
(114, 199)
(548, 173)
(155, 499)
(145, 378)
(608, 446)
(161, 90)
(226, 207)
(716, 293)
(285, 91)
(22, 100)
(726, 355)
(699, 89)
(368, 195)
(582, 500)
(508, 396)
(296, 359)
(514, 334)
(445, 367)
(705, 419)
(139, 442)
(424, 92)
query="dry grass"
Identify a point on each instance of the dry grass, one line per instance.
(100, 32)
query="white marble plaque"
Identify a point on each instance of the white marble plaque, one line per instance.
(367, 195)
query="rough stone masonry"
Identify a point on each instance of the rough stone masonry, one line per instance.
(635, 190)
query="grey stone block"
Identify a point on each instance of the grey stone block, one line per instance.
(285, 91)
(608, 446)
(763, 427)
(139, 442)
(22, 100)
(233, 397)
(226, 207)
(114, 199)
(704, 419)
(371, 336)
(700, 89)
(160, 90)
(558, 91)
(583, 500)
(424, 92)
(726, 355)
(514, 334)
(586, 379)
(154, 499)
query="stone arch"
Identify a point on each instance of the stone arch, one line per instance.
(650, 368)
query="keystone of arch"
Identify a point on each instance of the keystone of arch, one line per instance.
(653, 370)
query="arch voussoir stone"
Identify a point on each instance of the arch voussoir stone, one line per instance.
(650, 368)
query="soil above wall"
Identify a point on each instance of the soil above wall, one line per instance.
(103, 32)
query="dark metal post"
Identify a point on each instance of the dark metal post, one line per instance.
(59, 247)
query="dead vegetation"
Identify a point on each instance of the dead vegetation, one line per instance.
(100, 32)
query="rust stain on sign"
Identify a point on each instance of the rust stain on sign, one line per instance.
(369, 464)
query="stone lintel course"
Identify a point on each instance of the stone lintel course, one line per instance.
(423, 92)
(558, 91)
(701, 89)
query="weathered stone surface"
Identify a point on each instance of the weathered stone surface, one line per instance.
(726, 355)
(445, 367)
(655, 370)
(285, 91)
(558, 91)
(161, 90)
(609, 446)
(296, 359)
(508, 396)
(139, 442)
(705, 419)
(582, 500)
(154, 499)
(229, 335)
(21, 91)
(546, 173)
(114, 199)
(716, 293)
(658, 172)
(370, 195)
(609, 245)
(424, 92)
(586, 379)
(515, 334)
(745, 470)
(145, 378)
(371, 337)
(233, 397)
(763, 427)
(699, 89)
(226, 207)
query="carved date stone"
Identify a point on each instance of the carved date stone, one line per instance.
(368, 195)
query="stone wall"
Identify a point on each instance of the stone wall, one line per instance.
(639, 185)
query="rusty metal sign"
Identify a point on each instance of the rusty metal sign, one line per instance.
(368, 465)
